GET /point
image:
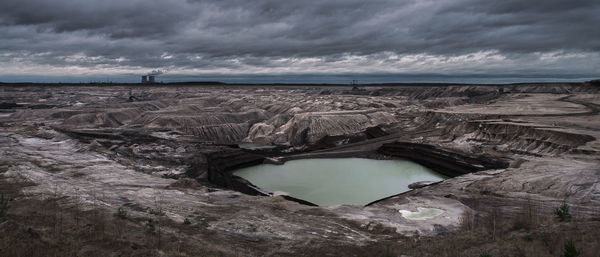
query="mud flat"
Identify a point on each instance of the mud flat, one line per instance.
(168, 153)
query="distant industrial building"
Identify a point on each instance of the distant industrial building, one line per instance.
(151, 77)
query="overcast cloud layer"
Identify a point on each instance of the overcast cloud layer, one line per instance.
(116, 37)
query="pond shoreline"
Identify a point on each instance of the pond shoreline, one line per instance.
(450, 163)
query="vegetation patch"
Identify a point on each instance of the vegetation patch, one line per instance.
(563, 213)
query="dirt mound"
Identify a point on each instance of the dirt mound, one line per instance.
(308, 128)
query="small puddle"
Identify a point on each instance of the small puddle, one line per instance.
(421, 213)
(354, 181)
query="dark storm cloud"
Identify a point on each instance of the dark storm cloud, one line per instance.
(181, 34)
(519, 26)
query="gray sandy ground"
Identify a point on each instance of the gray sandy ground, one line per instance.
(548, 133)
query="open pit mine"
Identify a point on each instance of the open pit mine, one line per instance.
(264, 170)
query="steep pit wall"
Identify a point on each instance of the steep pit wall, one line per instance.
(211, 125)
(520, 138)
(448, 162)
(221, 164)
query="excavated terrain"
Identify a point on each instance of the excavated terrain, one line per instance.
(165, 153)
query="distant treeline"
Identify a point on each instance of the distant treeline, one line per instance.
(190, 83)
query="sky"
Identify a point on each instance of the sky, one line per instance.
(312, 40)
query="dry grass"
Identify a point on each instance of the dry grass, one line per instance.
(36, 227)
(44, 228)
(500, 233)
